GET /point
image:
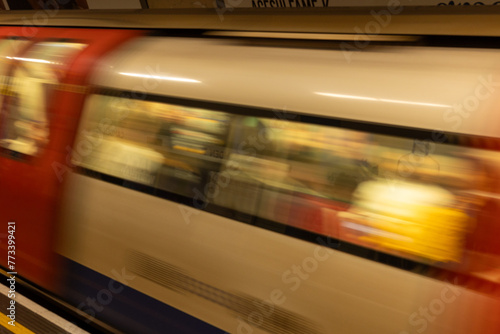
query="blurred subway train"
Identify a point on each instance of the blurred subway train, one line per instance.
(174, 182)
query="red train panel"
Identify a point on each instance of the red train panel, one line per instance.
(46, 117)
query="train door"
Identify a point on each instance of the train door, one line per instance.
(44, 83)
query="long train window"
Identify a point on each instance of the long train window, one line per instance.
(418, 200)
(388, 193)
(25, 124)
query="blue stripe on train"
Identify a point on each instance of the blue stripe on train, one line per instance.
(124, 308)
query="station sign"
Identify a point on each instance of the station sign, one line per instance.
(351, 3)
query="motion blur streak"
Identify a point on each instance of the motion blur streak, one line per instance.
(159, 77)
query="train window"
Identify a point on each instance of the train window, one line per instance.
(397, 195)
(9, 48)
(25, 125)
(165, 146)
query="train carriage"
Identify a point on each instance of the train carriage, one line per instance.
(208, 183)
